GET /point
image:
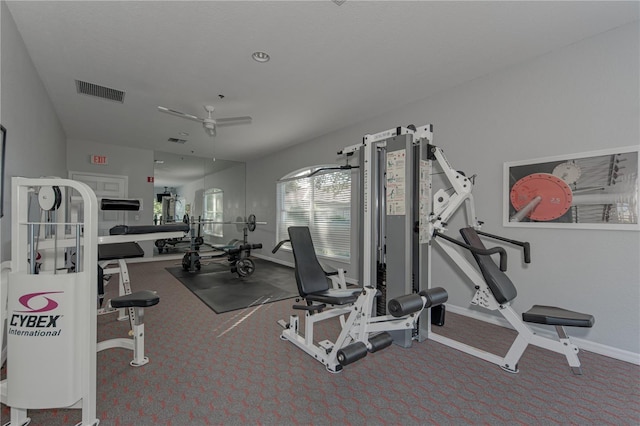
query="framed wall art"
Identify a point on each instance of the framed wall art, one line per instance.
(591, 190)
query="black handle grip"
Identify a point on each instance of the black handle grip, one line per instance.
(277, 247)
(525, 245)
(493, 250)
(527, 252)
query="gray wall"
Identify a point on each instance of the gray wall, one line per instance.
(137, 164)
(36, 142)
(581, 98)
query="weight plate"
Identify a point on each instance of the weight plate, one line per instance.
(245, 267)
(251, 222)
(555, 193)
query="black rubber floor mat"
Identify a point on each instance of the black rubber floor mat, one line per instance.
(224, 291)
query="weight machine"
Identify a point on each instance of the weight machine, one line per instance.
(402, 218)
(51, 327)
(52, 291)
(362, 331)
(394, 172)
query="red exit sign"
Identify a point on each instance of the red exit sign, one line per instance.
(98, 159)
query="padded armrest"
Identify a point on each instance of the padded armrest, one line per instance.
(139, 299)
(119, 251)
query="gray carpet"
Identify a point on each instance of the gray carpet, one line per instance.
(233, 369)
(223, 291)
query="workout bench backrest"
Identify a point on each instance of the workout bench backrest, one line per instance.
(310, 276)
(501, 286)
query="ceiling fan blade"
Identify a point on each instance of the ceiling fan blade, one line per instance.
(180, 114)
(233, 120)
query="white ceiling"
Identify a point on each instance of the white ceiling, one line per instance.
(331, 65)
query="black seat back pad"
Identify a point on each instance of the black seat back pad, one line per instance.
(499, 283)
(310, 276)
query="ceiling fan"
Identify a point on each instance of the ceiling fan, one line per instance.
(208, 123)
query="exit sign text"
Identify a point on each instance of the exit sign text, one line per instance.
(98, 159)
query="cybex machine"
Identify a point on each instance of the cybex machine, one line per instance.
(397, 216)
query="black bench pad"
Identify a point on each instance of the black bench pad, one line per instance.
(551, 315)
(115, 251)
(148, 229)
(139, 299)
(334, 296)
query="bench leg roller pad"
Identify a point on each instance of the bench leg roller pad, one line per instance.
(380, 341)
(352, 353)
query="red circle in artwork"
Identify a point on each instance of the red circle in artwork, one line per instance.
(555, 193)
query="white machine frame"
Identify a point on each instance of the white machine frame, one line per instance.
(135, 316)
(51, 370)
(358, 326)
(484, 298)
(432, 220)
(53, 374)
(444, 206)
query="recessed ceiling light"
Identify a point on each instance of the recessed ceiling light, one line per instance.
(260, 56)
(183, 133)
(159, 161)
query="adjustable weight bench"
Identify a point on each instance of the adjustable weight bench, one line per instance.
(361, 332)
(130, 304)
(495, 291)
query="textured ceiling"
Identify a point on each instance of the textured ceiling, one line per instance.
(331, 65)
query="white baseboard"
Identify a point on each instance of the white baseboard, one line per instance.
(586, 345)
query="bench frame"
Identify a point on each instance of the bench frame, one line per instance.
(484, 298)
(134, 314)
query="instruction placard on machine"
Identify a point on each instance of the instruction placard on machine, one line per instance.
(396, 169)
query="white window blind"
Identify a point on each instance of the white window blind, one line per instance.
(323, 203)
(213, 208)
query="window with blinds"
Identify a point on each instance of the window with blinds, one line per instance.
(213, 211)
(323, 203)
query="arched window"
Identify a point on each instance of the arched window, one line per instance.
(213, 208)
(323, 203)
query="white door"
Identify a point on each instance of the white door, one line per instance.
(106, 186)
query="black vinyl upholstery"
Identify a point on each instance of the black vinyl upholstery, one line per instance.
(501, 286)
(311, 279)
(551, 315)
(504, 291)
(116, 251)
(139, 299)
(148, 229)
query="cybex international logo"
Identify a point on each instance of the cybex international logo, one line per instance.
(27, 298)
(36, 319)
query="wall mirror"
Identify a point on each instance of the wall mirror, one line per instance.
(205, 192)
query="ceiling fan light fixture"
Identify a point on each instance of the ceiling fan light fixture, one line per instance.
(210, 128)
(260, 56)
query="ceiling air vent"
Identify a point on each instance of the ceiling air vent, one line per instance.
(176, 140)
(107, 93)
